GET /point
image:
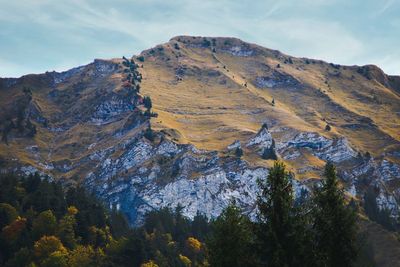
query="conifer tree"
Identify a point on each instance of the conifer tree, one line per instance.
(66, 228)
(231, 242)
(335, 224)
(282, 234)
(239, 152)
(44, 224)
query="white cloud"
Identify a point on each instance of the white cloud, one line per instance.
(309, 28)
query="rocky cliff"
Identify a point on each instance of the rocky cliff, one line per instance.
(212, 96)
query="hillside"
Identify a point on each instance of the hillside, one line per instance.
(213, 98)
(211, 95)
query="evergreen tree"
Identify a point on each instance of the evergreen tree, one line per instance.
(44, 224)
(67, 227)
(147, 103)
(327, 128)
(335, 224)
(282, 234)
(269, 153)
(148, 134)
(200, 226)
(381, 216)
(239, 152)
(118, 223)
(7, 214)
(231, 242)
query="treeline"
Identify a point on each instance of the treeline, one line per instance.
(41, 225)
(317, 230)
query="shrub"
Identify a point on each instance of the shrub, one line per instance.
(147, 102)
(148, 134)
(48, 245)
(327, 128)
(239, 152)
(206, 42)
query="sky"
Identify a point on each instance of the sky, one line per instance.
(46, 35)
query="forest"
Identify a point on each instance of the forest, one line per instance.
(44, 224)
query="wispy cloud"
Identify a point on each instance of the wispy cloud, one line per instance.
(385, 7)
(40, 35)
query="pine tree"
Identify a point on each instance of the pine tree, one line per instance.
(232, 239)
(282, 234)
(335, 223)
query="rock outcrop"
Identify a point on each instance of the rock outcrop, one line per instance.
(89, 125)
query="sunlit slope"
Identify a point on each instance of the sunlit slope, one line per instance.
(214, 91)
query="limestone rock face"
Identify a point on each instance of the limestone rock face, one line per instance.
(212, 95)
(263, 139)
(335, 150)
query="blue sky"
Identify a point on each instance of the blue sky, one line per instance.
(41, 35)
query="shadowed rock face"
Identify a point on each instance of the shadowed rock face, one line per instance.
(212, 96)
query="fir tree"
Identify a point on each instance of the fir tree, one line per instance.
(282, 235)
(335, 224)
(147, 103)
(232, 239)
(239, 152)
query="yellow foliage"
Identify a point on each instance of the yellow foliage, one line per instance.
(194, 244)
(168, 237)
(72, 210)
(83, 256)
(185, 260)
(57, 258)
(149, 264)
(46, 245)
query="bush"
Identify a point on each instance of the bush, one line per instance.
(327, 128)
(206, 43)
(140, 58)
(148, 134)
(147, 102)
(239, 152)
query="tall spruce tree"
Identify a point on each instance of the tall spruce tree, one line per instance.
(282, 230)
(335, 223)
(232, 240)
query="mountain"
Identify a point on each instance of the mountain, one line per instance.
(213, 99)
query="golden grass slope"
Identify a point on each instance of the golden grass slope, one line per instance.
(200, 92)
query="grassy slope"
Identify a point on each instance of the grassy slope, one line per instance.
(211, 108)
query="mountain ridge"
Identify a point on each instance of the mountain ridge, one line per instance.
(212, 96)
